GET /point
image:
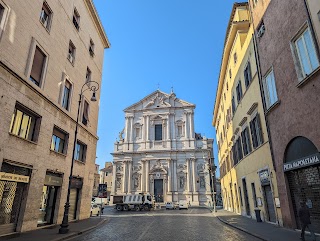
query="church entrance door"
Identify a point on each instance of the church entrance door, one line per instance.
(158, 190)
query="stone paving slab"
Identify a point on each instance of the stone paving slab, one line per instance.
(264, 231)
(52, 233)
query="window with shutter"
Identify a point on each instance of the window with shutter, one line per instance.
(59, 141)
(247, 74)
(85, 114)
(37, 66)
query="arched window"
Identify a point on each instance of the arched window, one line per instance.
(299, 147)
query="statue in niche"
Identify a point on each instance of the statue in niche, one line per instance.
(201, 167)
(181, 182)
(182, 166)
(118, 182)
(137, 168)
(202, 182)
(119, 167)
(136, 181)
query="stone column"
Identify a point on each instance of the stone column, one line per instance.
(169, 176)
(129, 175)
(191, 115)
(124, 177)
(147, 175)
(148, 127)
(114, 178)
(188, 175)
(126, 131)
(186, 126)
(194, 175)
(131, 128)
(143, 129)
(143, 177)
(175, 176)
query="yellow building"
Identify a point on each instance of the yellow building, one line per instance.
(247, 175)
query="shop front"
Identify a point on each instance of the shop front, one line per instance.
(75, 191)
(13, 186)
(50, 191)
(302, 169)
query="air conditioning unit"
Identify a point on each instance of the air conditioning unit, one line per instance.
(70, 57)
(261, 31)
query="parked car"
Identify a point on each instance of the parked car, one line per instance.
(183, 204)
(95, 209)
(170, 205)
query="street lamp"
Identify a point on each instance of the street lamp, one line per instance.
(95, 87)
(212, 170)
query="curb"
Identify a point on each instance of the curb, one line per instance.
(242, 229)
(71, 235)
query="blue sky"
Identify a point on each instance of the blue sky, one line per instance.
(169, 42)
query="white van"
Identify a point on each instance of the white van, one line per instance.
(183, 204)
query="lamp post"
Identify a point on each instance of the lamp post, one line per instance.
(212, 170)
(95, 87)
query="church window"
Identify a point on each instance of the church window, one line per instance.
(158, 132)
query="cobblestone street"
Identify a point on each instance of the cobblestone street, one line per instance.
(166, 225)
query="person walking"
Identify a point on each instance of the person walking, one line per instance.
(304, 216)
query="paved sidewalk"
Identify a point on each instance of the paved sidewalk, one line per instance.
(264, 231)
(51, 233)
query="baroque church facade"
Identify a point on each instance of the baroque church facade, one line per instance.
(158, 152)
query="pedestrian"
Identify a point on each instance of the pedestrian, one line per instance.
(304, 217)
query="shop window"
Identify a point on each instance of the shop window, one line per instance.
(80, 152)
(247, 74)
(256, 131)
(59, 141)
(76, 19)
(85, 113)
(305, 53)
(88, 75)
(158, 132)
(270, 91)
(38, 66)
(46, 16)
(25, 123)
(71, 52)
(91, 48)
(246, 141)
(239, 91)
(66, 95)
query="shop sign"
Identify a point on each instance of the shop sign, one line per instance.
(264, 177)
(52, 180)
(76, 183)
(304, 162)
(14, 177)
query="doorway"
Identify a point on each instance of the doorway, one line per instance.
(270, 204)
(158, 190)
(47, 204)
(246, 198)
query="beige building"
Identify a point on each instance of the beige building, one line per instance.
(246, 167)
(106, 177)
(48, 51)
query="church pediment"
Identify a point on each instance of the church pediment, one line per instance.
(158, 99)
